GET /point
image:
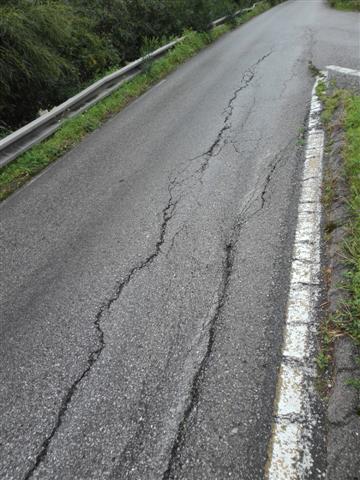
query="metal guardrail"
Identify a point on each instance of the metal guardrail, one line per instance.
(222, 20)
(34, 132)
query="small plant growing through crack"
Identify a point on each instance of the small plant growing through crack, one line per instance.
(315, 72)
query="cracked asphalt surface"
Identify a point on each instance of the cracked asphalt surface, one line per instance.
(145, 274)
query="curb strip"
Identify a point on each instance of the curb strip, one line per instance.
(290, 455)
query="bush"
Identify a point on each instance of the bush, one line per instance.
(345, 4)
(46, 52)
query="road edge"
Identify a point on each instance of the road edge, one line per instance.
(290, 454)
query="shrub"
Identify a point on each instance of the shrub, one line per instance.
(46, 52)
(345, 4)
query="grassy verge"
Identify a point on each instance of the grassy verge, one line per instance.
(350, 318)
(346, 321)
(29, 164)
(352, 5)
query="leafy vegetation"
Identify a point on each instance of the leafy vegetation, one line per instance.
(345, 4)
(347, 319)
(354, 382)
(46, 52)
(350, 319)
(51, 49)
(342, 111)
(72, 131)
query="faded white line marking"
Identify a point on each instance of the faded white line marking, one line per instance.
(345, 71)
(290, 452)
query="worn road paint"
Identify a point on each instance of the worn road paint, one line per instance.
(290, 451)
(345, 71)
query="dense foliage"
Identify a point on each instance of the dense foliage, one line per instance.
(50, 48)
(46, 49)
(346, 4)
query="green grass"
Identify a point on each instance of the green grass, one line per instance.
(347, 319)
(347, 5)
(322, 360)
(350, 319)
(354, 382)
(324, 357)
(72, 131)
(329, 188)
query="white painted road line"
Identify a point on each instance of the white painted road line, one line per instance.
(344, 71)
(290, 451)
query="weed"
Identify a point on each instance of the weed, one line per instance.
(322, 360)
(321, 90)
(347, 319)
(150, 44)
(349, 5)
(329, 188)
(354, 382)
(330, 227)
(315, 72)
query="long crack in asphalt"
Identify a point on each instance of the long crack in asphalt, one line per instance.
(220, 141)
(167, 214)
(229, 254)
(218, 144)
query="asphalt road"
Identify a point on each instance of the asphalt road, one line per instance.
(145, 274)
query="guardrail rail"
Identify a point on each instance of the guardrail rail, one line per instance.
(34, 132)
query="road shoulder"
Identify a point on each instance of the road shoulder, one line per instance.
(338, 360)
